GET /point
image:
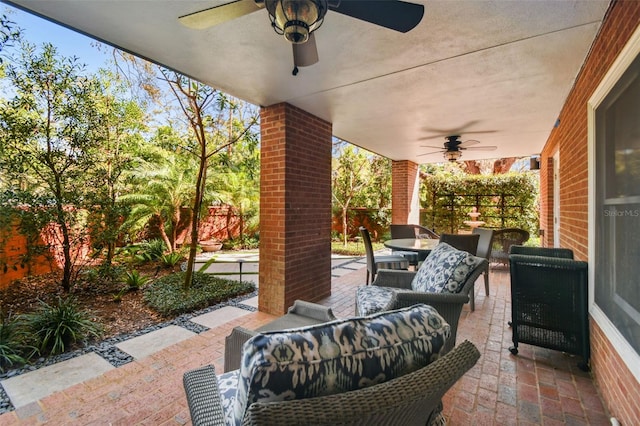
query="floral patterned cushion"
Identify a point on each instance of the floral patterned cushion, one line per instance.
(371, 299)
(338, 356)
(445, 270)
(228, 386)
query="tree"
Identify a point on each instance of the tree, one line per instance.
(348, 180)
(241, 192)
(160, 192)
(119, 126)
(48, 138)
(8, 33)
(205, 109)
(497, 166)
(213, 120)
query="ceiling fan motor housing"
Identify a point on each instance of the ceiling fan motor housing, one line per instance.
(296, 19)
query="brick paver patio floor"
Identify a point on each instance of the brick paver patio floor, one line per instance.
(537, 387)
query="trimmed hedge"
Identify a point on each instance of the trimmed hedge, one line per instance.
(168, 297)
(504, 201)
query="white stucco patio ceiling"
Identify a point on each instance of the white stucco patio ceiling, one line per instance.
(495, 71)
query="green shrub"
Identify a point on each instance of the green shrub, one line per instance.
(105, 274)
(14, 347)
(134, 280)
(154, 249)
(55, 327)
(171, 259)
(146, 251)
(167, 295)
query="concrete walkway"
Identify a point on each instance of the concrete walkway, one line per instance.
(30, 387)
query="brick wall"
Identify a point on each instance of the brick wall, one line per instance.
(616, 383)
(295, 208)
(405, 209)
(13, 265)
(546, 200)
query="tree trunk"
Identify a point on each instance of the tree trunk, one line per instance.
(472, 167)
(66, 240)
(195, 218)
(503, 165)
(344, 225)
(163, 232)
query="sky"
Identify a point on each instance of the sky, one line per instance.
(69, 43)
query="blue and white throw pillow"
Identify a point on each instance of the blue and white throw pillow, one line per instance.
(445, 270)
(338, 356)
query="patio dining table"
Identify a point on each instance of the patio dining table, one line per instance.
(418, 245)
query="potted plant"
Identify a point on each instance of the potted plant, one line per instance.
(210, 245)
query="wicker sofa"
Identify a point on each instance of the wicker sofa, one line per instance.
(386, 368)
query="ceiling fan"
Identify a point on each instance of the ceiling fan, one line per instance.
(298, 19)
(453, 147)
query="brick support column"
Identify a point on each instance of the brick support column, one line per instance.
(295, 208)
(405, 198)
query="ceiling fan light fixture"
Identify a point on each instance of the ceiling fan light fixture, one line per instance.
(296, 19)
(452, 155)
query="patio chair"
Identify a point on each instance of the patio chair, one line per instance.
(549, 301)
(562, 253)
(397, 289)
(485, 243)
(465, 242)
(405, 231)
(503, 239)
(379, 262)
(405, 377)
(412, 231)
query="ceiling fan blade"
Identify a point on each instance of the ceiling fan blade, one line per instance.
(305, 54)
(481, 148)
(430, 153)
(216, 15)
(434, 147)
(467, 143)
(396, 15)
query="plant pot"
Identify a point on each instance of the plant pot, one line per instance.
(210, 246)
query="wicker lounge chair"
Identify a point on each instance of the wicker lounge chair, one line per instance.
(270, 398)
(394, 289)
(447, 304)
(402, 401)
(300, 314)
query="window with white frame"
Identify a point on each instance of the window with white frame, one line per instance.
(615, 192)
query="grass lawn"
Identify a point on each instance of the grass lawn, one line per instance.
(353, 248)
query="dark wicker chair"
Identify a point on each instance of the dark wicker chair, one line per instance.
(466, 242)
(549, 301)
(411, 399)
(485, 244)
(503, 239)
(412, 231)
(563, 253)
(405, 231)
(378, 262)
